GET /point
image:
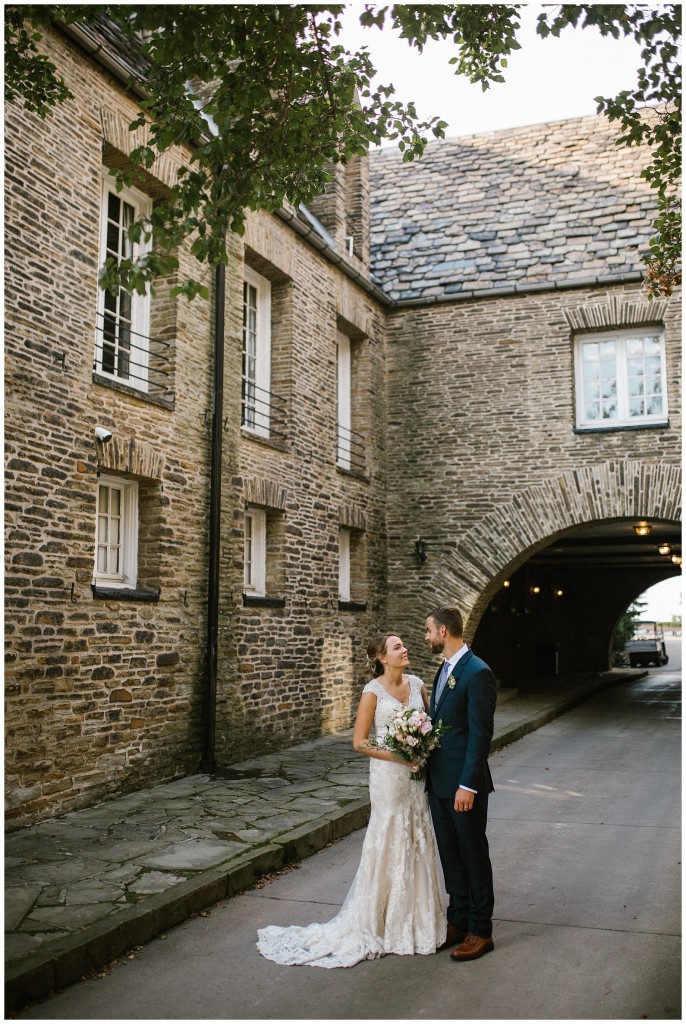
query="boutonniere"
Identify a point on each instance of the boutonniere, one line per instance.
(450, 682)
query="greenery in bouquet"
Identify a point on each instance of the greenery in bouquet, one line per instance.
(413, 735)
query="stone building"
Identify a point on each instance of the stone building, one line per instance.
(533, 392)
(107, 540)
(408, 416)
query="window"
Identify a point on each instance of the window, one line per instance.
(343, 564)
(344, 404)
(122, 334)
(620, 379)
(256, 353)
(352, 569)
(255, 552)
(350, 442)
(116, 543)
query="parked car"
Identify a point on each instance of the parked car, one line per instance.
(647, 646)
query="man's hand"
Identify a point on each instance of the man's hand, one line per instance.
(464, 800)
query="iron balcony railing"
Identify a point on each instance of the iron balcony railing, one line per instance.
(263, 412)
(133, 359)
(351, 450)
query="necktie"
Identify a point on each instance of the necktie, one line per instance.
(445, 670)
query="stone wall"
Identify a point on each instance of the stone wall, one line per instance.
(104, 696)
(489, 466)
(292, 672)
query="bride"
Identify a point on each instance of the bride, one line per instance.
(394, 903)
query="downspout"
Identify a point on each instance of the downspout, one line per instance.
(208, 761)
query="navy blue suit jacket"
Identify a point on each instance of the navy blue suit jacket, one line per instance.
(468, 707)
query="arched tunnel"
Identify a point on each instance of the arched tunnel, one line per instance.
(557, 612)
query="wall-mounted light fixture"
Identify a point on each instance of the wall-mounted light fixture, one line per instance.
(559, 592)
(506, 583)
(676, 559)
(642, 528)
(103, 434)
(665, 549)
(534, 589)
(420, 550)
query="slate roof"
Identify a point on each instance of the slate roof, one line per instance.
(547, 205)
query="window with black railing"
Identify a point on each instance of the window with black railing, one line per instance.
(127, 357)
(125, 353)
(350, 450)
(262, 411)
(350, 443)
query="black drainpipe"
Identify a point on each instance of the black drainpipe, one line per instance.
(208, 761)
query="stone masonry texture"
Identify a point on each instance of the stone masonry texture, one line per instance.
(471, 272)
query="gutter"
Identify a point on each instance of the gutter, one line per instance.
(105, 56)
(635, 277)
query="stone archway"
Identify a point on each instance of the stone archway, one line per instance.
(512, 533)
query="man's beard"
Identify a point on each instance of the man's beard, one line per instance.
(437, 646)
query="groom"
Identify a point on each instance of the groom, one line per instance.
(459, 781)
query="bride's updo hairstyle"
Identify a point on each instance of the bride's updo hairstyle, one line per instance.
(375, 648)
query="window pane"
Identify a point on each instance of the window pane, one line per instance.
(590, 351)
(607, 350)
(116, 501)
(636, 407)
(609, 409)
(113, 239)
(113, 206)
(103, 498)
(654, 406)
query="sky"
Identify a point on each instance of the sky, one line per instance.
(547, 80)
(664, 600)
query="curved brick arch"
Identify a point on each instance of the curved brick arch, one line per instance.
(506, 538)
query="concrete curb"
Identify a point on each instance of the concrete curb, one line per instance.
(68, 959)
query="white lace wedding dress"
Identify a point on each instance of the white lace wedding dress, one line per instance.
(394, 904)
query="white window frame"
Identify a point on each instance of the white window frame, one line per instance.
(344, 402)
(134, 372)
(343, 564)
(257, 354)
(623, 418)
(255, 552)
(125, 576)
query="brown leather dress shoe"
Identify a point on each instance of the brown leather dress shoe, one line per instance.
(472, 948)
(453, 936)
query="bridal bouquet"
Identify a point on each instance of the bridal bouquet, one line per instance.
(413, 735)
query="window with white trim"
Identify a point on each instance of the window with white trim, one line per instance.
(344, 403)
(343, 564)
(123, 320)
(621, 379)
(256, 405)
(352, 569)
(255, 552)
(116, 540)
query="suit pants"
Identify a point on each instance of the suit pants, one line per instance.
(463, 848)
